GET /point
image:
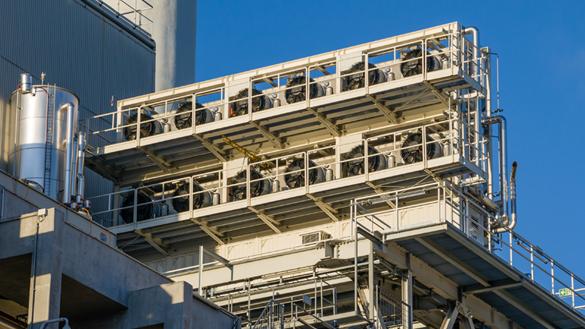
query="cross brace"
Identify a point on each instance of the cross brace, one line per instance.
(325, 207)
(211, 148)
(269, 221)
(333, 129)
(156, 243)
(388, 113)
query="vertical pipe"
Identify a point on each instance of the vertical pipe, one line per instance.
(407, 296)
(371, 281)
(199, 290)
(68, 152)
(81, 139)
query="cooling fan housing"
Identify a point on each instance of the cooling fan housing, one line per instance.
(354, 163)
(356, 81)
(258, 185)
(295, 173)
(412, 148)
(183, 117)
(144, 207)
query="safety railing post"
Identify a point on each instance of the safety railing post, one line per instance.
(135, 207)
(511, 248)
(531, 262)
(573, 290)
(552, 276)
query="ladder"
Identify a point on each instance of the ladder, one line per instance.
(49, 138)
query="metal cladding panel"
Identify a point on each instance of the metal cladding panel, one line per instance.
(79, 49)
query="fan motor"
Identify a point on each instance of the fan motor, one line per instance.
(181, 197)
(356, 81)
(144, 207)
(412, 148)
(146, 128)
(239, 102)
(295, 173)
(183, 115)
(258, 186)
(298, 94)
(413, 67)
(355, 164)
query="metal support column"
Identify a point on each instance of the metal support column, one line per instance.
(407, 298)
(371, 307)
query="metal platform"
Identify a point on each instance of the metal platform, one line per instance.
(503, 269)
(391, 101)
(283, 210)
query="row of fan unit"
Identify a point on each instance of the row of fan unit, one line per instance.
(296, 91)
(353, 164)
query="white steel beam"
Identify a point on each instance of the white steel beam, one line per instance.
(460, 266)
(512, 301)
(388, 113)
(450, 318)
(332, 128)
(269, 221)
(442, 97)
(156, 243)
(380, 191)
(325, 207)
(276, 141)
(160, 162)
(213, 233)
(211, 148)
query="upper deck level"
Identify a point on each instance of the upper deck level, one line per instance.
(373, 85)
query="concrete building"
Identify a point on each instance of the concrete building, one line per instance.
(54, 262)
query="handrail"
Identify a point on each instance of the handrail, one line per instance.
(518, 252)
(330, 84)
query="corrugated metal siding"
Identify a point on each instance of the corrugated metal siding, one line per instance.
(78, 49)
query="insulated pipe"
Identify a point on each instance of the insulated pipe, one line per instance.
(475, 35)
(513, 218)
(80, 165)
(68, 152)
(488, 113)
(501, 121)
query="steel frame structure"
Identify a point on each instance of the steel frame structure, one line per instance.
(421, 244)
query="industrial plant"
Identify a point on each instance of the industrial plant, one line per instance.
(365, 187)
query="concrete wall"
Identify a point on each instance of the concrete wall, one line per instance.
(73, 273)
(78, 48)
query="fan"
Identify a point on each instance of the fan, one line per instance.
(184, 120)
(181, 197)
(295, 174)
(412, 148)
(144, 209)
(298, 94)
(355, 164)
(412, 67)
(239, 102)
(356, 81)
(258, 186)
(146, 128)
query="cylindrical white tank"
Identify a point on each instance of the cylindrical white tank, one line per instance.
(44, 152)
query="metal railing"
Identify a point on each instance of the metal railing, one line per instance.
(437, 141)
(302, 84)
(137, 12)
(445, 204)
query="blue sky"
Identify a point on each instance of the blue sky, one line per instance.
(542, 51)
